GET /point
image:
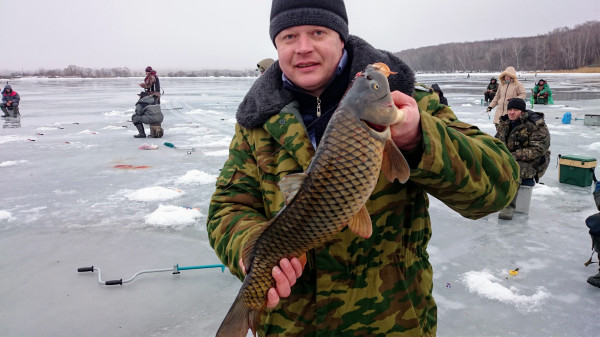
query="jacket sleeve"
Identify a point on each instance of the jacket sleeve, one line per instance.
(521, 91)
(470, 171)
(236, 206)
(16, 99)
(496, 98)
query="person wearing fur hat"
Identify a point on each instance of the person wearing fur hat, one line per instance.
(10, 102)
(527, 138)
(510, 87)
(151, 83)
(263, 64)
(542, 94)
(349, 286)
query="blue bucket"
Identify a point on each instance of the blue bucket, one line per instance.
(566, 118)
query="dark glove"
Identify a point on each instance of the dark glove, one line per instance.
(489, 108)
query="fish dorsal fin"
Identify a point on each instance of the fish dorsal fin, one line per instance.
(394, 164)
(361, 223)
(248, 252)
(290, 185)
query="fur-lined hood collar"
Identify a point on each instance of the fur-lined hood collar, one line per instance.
(510, 71)
(267, 96)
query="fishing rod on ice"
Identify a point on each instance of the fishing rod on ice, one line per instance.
(175, 269)
(171, 145)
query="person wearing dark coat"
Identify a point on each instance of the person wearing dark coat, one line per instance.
(151, 83)
(439, 92)
(147, 111)
(593, 223)
(10, 102)
(526, 136)
(490, 91)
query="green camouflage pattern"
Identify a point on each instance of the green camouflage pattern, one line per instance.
(351, 286)
(528, 142)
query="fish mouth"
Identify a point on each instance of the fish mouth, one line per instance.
(375, 127)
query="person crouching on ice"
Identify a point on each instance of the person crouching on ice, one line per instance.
(147, 112)
(10, 102)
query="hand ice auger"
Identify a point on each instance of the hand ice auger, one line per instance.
(175, 269)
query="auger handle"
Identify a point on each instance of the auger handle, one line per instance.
(85, 269)
(114, 282)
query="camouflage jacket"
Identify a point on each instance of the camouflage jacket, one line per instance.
(380, 286)
(528, 141)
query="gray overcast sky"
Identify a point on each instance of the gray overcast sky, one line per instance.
(233, 34)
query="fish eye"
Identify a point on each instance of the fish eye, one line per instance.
(375, 86)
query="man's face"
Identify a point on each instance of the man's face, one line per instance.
(309, 55)
(514, 114)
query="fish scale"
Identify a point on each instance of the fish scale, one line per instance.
(324, 206)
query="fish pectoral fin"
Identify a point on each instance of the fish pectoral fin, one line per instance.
(394, 164)
(290, 185)
(361, 223)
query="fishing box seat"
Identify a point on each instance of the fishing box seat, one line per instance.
(591, 120)
(523, 199)
(541, 100)
(576, 170)
(156, 130)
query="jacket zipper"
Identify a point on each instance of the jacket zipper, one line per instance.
(318, 107)
(506, 100)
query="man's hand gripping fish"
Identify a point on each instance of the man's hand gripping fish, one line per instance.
(330, 195)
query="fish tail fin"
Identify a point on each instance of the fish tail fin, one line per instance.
(238, 320)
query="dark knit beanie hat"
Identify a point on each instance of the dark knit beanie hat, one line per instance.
(148, 68)
(516, 103)
(326, 13)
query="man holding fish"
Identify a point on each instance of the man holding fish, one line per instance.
(323, 199)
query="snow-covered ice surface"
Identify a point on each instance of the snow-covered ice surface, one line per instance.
(77, 191)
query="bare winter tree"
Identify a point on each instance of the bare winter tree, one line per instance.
(562, 48)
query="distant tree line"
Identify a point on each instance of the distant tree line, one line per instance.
(560, 49)
(81, 72)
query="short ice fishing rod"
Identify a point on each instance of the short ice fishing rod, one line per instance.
(171, 145)
(175, 269)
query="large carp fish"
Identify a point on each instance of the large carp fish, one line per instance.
(328, 196)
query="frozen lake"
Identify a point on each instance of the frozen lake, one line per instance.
(78, 191)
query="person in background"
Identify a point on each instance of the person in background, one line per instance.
(10, 102)
(350, 286)
(490, 91)
(593, 223)
(542, 93)
(151, 84)
(263, 64)
(510, 87)
(147, 111)
(527, 138)
(439, 92)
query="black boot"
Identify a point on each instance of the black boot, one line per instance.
(142, 133)
(594, 280)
